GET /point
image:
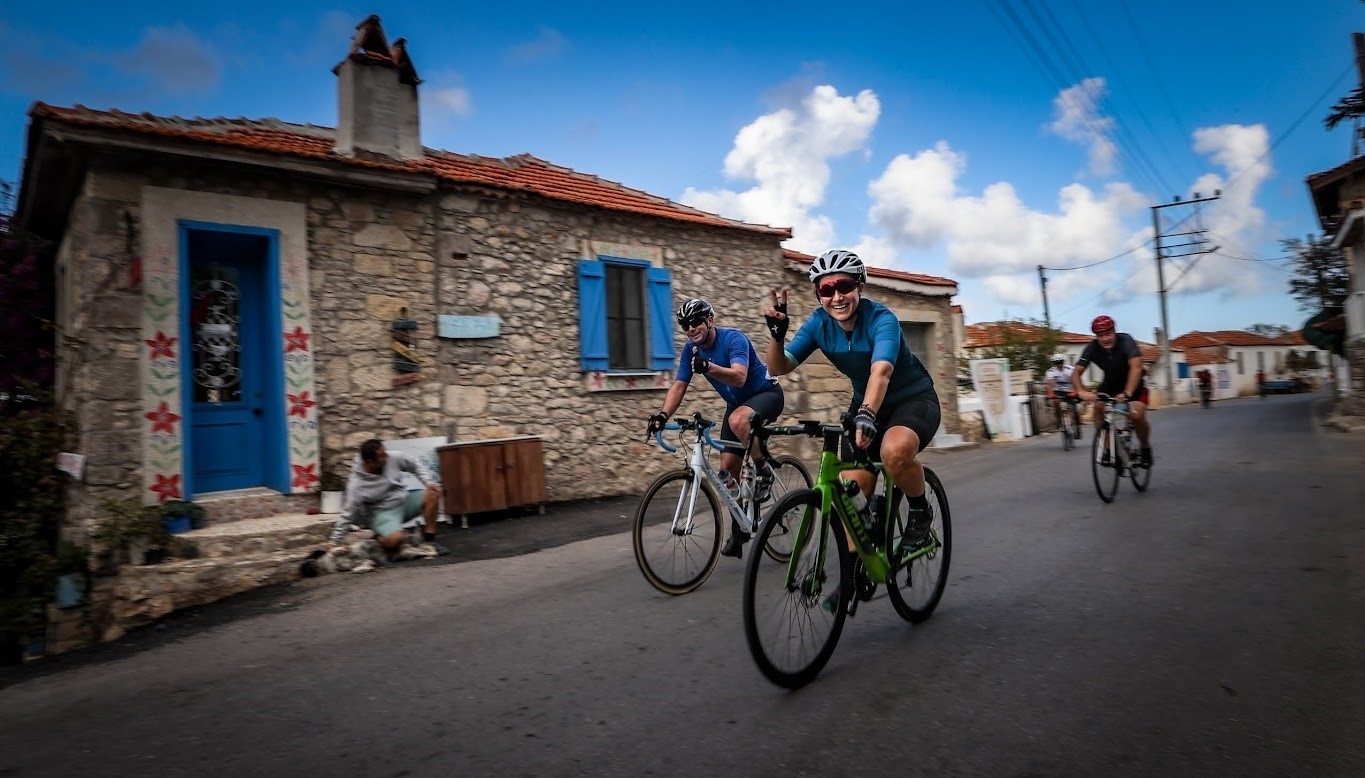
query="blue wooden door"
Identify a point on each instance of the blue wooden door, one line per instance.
(227, 359)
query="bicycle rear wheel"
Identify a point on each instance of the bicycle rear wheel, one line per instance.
(925, 568)
(792, 629)
(1141, 475)
(674, 557)
(789, 474)
(1068, 432)
(1106, 476)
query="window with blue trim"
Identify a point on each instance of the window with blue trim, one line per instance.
(624, 315)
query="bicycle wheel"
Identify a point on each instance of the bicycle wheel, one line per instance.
(1106, 476)
(1068, 432)
(1141, 475)
(792, 629)
(674, 557)
(925, 568)
(789, 474)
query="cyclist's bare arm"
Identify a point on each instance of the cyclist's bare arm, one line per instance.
(1134, 376)
(877, 383)
(674, 398)
(734, 375)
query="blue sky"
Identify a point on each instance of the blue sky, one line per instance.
(973, 140)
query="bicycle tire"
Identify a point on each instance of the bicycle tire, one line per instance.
(813, 602)
(1102, 474)
(778, 547)
(1141, 476)
(1068, 441)
(698, 551)
(929, 571)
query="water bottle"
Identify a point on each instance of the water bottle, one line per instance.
(731, 485)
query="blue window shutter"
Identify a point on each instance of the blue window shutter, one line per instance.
(661, 353)
(592, 315)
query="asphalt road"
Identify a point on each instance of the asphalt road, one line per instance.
(1211, 626)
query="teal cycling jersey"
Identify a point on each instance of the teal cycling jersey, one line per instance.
(876, 337)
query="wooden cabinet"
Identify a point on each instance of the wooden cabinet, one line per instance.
(490, 475)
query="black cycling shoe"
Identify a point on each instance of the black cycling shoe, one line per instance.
(1104, 459)
(1146, 457)
(735, 545)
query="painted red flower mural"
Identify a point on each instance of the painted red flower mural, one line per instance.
(161, 345)
(162, 419)
(167, 487)
(299, 404)
(296, 340)
(305, 475)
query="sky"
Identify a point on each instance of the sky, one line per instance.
(974, 140)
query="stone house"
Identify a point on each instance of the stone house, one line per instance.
(242, 302)
(1339, 201)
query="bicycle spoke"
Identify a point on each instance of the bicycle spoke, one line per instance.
(677, 555)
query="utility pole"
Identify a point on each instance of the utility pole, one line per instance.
(1161, 275)
(1047, 319)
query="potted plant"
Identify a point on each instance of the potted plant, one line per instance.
(182, 515)
(333, 490)
(129, 525)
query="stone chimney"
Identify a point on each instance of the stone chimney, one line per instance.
(377, 97)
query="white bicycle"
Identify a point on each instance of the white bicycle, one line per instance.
(677, 536)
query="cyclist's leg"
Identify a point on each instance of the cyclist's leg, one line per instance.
(910, 428)
(768, 405)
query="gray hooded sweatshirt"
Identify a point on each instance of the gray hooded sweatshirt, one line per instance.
(369, 492)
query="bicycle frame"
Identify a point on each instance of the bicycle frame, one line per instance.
(1113, 417)
(833, 499)
(701, 468)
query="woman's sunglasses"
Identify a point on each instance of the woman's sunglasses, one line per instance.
(842, 286)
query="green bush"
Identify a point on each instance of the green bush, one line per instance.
(31, 510)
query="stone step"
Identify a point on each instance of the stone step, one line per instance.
(254, 537)
(947, 440)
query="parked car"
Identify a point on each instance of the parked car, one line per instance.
(1283, 385)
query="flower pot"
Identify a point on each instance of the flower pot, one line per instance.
(331, 502)
(176, 524)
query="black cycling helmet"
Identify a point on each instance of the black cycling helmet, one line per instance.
(693, 309)
(838, 261)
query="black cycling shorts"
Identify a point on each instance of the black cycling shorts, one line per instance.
(767, 403)
(920, 413)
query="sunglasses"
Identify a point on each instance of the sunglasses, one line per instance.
(693, 322)
(842, 286)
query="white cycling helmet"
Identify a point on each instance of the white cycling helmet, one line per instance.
(838, 261)
(1058, 358)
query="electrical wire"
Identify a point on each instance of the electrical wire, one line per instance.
(1119, 255)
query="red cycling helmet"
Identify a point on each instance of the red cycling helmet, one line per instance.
(1101, 324)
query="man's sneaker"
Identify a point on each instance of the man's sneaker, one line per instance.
(438, 548)
(1104, 459)
(1146, 457)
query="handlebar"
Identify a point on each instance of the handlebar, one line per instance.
(697, 422)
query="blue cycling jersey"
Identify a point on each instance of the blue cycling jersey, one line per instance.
(730, 348)
(876, 337)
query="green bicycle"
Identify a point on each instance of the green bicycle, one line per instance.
(795, 613)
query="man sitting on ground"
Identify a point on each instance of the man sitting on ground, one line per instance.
(377, 499)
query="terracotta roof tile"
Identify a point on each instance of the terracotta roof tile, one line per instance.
(991, 333)
(521, 173)
(1240, 338)
(797, 258)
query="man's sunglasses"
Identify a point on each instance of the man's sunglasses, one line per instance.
(693, 322)
(842, 286)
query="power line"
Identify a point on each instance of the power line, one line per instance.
(1119, 255)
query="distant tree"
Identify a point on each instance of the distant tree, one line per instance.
(1351, 106)
(27, 303)
(1268, 330)
(1027, 343)
(1321, 278)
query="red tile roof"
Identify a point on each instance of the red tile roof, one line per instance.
(1203, 358)
(1242, 338)
(521, 173)
(991, 333)
(957, 309)
(797, 258)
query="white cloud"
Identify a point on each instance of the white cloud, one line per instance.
(1078, 119)
(916, 203)
(172, 58)
(786, 154)
(548, 42)
(452, 99)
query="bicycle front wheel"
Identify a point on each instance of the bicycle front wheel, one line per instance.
(677, 532)
(1068, 432)
(792, 626)
(923, 568)
(789, 475)
(1141, 475)
(1106, 476)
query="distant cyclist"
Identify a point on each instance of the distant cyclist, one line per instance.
(1117, 355)
(1059, 391)
(728, 360)
(896, 411)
